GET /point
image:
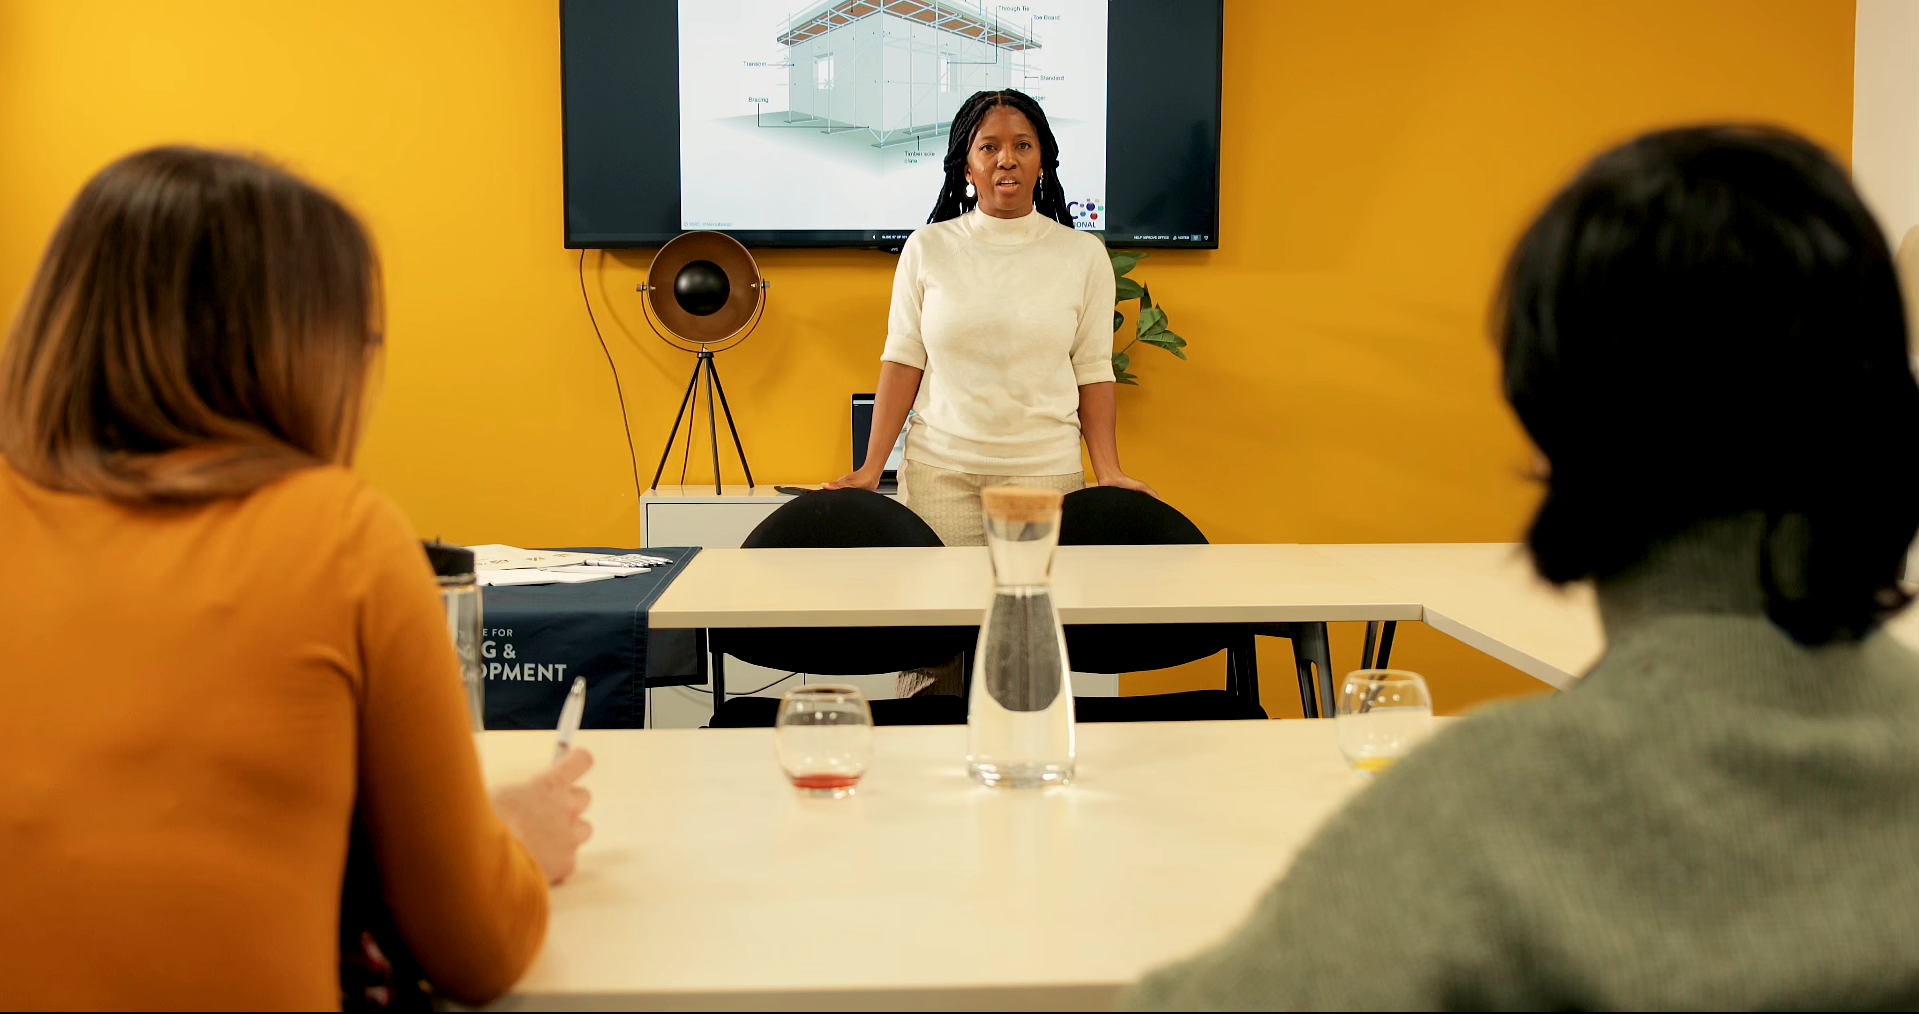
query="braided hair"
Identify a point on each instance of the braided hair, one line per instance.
(1049, 197)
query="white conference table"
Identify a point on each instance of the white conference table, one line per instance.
(953, 586)
(1481, 593)
(1484, 594)
(710, 884)
(1487, 596)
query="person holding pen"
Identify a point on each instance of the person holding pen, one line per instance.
(223, 656)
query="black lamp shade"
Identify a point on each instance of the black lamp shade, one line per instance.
(705, 288)
(701, 288)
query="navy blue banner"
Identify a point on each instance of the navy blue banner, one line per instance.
(537, 638)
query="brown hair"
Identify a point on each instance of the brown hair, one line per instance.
(202, 324)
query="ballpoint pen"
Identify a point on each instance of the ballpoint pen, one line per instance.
(570, 714)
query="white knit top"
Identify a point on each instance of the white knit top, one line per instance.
(1008, 317)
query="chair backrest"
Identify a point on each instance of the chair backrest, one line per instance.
(1111, 516)
(841, 519)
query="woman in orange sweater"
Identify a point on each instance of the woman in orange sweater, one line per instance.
(218, 648)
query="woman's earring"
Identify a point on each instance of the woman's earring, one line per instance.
(969, 191)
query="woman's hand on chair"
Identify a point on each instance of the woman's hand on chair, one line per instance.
(1124, 481)
(547, 813)
(867, 479)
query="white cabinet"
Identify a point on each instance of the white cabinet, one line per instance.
(696, 516)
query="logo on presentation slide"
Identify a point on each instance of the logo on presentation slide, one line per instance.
(1085, 213)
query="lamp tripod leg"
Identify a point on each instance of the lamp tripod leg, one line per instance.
(712, 419)
(714, 370)
(678, 417)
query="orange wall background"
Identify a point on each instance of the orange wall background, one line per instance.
(1377, 159)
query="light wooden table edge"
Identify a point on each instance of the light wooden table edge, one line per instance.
(1539, 669)
(693, 619)
(1078, 997)
(664, 616)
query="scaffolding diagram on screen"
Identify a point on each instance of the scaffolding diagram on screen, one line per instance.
(841, 115)
(909, 63)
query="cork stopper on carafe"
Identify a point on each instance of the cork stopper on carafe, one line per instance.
(1015, 503)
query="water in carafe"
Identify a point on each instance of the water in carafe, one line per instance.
(1020, 716)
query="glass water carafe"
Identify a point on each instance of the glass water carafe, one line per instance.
(1019, 726)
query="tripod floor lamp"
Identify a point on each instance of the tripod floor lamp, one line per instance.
(704, 295)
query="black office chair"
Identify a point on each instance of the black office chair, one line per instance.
(839, 519)
(931, 709)
(1111, 516)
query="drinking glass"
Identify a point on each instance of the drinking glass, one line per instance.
(824, 735)
(1382, 715)
(460, 593)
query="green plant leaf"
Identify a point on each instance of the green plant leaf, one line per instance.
(1166, 340)
(1151, 326)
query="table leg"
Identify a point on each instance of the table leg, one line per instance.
(1317, 643)
(1306, 665)
(1242, 668)
(1379, 635)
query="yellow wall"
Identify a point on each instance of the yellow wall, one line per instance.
(1378, 158)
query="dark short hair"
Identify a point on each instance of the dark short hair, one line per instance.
(1706, 323)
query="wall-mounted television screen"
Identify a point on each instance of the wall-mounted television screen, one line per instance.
(825, 122)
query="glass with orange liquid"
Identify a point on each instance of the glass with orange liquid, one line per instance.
(1382, 714)
(824, 735)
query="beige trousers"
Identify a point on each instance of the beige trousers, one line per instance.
(949, 503)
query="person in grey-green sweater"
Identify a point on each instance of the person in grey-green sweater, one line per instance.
(1703, 334)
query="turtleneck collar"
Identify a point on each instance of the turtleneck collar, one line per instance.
(1711, 568)
(1006, 231)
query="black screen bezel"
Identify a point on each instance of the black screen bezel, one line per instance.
(1138, 94)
